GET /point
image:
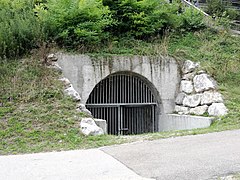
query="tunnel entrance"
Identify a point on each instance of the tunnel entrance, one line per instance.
(126, 101)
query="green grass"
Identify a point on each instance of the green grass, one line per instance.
(237, 176)
(35, 115)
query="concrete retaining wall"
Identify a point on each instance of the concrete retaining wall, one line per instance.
(168, 122)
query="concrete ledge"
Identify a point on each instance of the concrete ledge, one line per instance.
(102, 124)
(168, 122)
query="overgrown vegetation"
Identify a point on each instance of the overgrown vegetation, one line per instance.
(81, 24)
(19, 29)
(217, 8)
(86, 24)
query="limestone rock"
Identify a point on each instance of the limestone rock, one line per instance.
(199, 110)
(89, 127)
(181, 109)
(203, 82)
(217, 109)
(82, 108)
(72, 93)
(66, 82)
(201, 72)
(55, 65)
(179, 98)
(188, 76)
(192, 100)
(189, 66)
(186, 86)
(52, 57)
(210, 97)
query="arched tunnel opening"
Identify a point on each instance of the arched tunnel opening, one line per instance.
(127, 101)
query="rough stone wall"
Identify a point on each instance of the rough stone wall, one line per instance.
(198, 93)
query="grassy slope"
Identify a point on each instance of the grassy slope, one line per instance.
(35, 116)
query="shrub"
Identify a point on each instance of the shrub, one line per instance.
(191, 20)
(215, 7)
(75, 22)
(233, 14)
(19, 29)
(143, 18)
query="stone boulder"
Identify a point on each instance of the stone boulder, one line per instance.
(88, 127)
(66, 82)
(210, 97)
(55, 66)
(217, 109)
(201, 72)
(82, 108)
(189, 66)
(203, 82)
(181, 109)
(192, 100)
(179, 98)
(186, 86)
(72, 93)
(199, 110)
(188, 76)
(52, 57)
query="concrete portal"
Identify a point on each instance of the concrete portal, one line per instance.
(162, 75)
(86, 72)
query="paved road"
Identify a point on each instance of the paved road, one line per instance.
(191, 157)
(90, 164)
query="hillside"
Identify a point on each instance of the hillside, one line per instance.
(35, 115)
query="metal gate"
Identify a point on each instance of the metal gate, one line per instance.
(126, 102)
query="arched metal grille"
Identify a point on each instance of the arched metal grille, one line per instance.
(126, 102)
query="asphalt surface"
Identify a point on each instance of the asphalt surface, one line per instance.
(207, 156)
(191, 157)
(90, 164)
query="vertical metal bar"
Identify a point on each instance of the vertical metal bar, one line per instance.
(118, 120)
(131, 119)
(123, 88)
(137, 90)
(135, 122)
(148, 95)
(109, 90)
(128, 90)
(112, 89)
(153, 117)
(103, 90)
(110, 119)
(131, 89)
(115, 89)
(120, 89)
(140, 87)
